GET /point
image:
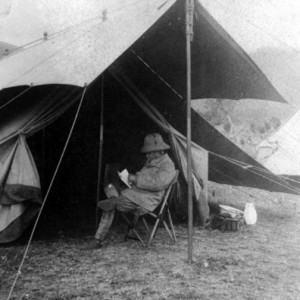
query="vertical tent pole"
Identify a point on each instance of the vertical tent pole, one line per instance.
(100, 148)
(189, 8)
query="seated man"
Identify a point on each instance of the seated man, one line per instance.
(147, 187)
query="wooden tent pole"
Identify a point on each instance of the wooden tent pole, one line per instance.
(100, 148)
(189, 8)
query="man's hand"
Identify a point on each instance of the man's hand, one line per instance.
(132, 178)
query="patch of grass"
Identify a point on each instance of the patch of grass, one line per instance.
(258, 262)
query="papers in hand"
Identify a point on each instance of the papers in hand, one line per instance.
(124, 177)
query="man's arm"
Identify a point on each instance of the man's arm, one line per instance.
(156, 177)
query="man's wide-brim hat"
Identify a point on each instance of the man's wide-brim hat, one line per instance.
(154, 142)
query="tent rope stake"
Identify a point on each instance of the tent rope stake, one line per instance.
(47, 193)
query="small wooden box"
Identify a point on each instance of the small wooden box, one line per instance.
(232, 224)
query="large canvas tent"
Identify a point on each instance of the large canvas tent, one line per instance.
(138, 56)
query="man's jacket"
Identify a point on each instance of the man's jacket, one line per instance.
(152, 180)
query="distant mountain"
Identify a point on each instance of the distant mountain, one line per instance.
(5, 47)
(5, 8)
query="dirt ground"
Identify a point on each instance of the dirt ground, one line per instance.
(258, 262)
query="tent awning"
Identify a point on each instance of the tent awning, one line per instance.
(220, 67)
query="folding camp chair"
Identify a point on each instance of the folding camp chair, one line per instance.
(159, 214)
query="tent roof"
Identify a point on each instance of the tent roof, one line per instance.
(220, 67)
(80, 52)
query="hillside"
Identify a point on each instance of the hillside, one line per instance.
(247, 122)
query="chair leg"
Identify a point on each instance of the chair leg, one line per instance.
(135, 220)
(127, 232)
(171, 225)
(138, 237)
(146, 225)
(131, 227)
(171, 232)
(154, 229)
(168, 230)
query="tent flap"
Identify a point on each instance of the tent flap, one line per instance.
(20, 195)
(20, 188)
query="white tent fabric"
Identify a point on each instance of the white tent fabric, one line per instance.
(9, 213)
(280, 152)
(70, 53)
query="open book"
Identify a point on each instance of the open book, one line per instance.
(124, 177)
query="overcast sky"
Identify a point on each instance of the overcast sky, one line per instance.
(276, 23)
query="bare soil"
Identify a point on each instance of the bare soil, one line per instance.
(258, 262)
